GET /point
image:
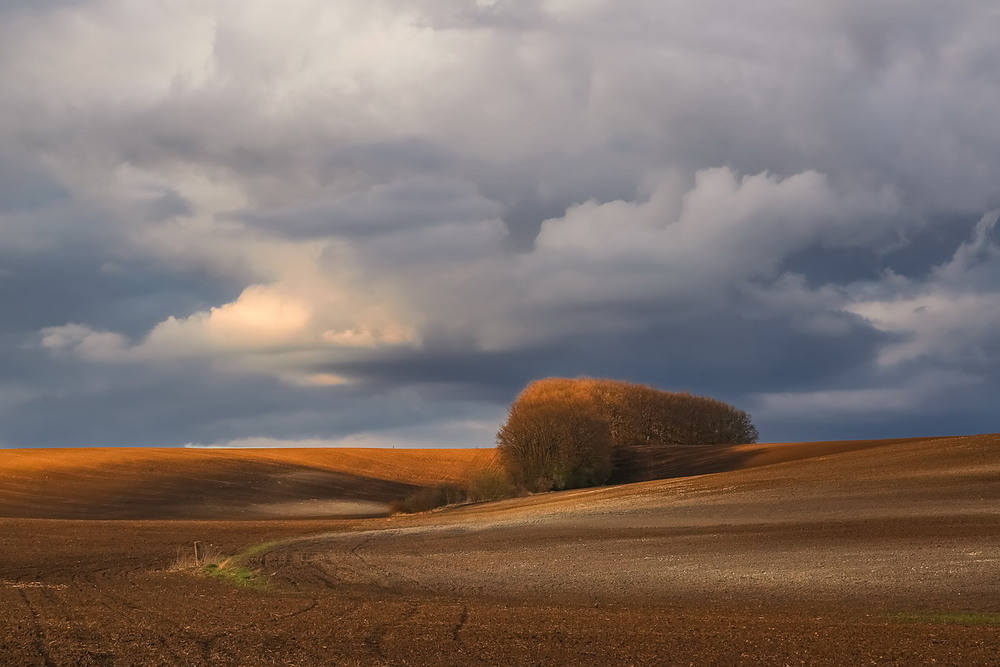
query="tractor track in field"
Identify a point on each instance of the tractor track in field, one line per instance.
(39, 641)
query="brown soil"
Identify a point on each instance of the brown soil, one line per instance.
(158, 483)
(641, 463)
(808, 561)
(148, 483)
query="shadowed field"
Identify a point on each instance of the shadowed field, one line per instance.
(161, 483)
(154, 483)
(818, 553)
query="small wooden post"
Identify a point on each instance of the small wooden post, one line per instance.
(197, 553)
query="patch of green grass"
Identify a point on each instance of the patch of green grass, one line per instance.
(960, 618)
(255, 550)
(236, 575)
(233, 571)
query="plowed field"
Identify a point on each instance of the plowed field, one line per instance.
(154, 483)
(884, 553)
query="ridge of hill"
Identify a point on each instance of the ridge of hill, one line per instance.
(174, 483)
(640, 463)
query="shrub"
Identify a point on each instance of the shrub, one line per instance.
(428, 498)
(492, 483)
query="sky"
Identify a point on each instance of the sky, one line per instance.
(372, 222)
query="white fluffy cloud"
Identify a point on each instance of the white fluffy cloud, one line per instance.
(953, 315)
(727, 226)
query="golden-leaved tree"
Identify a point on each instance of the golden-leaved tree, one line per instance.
(563, 433)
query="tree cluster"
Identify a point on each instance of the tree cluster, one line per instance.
(563, 433)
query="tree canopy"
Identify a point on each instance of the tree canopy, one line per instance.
(563, 433)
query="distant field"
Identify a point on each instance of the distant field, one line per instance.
(879, 552)
(135, 483)
(174, 483)
(642, 464)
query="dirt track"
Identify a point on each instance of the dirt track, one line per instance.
(801, 562)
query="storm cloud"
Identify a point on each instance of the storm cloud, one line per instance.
(237, 223)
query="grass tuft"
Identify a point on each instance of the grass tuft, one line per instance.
(236, 575)
(230, 569)
(186, 561)
(256, 550)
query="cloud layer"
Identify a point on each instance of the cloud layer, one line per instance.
(356, 222)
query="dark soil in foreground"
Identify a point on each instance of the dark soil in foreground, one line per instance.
(888, 555)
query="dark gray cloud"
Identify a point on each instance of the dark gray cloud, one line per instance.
(363, 223)
(408, 205)
(24, 187)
